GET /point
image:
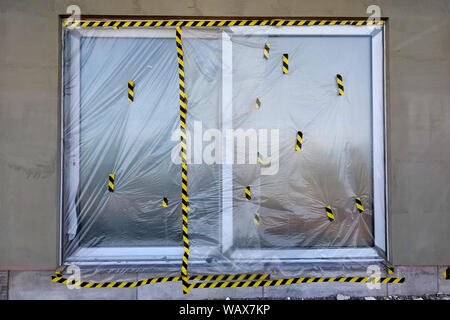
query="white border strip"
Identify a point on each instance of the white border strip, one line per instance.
(227, 123)
(378, 125)
(310, 30)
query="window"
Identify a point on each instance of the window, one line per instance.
(341, 159)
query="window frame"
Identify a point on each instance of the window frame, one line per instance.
(167, 255)
(314, 255)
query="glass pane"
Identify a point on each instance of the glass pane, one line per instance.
(131, 140)
(334, 165)
(202, 65)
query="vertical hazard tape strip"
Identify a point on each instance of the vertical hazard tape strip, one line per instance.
(359, 205)
(340, 84)
(329, 212)
(130, 91)
(266, 50)
(184, 190)
(285, 63)
(111, 182)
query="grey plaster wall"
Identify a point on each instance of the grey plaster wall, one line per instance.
(418, 127)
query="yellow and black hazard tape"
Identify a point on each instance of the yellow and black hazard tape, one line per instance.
(340, 84)
(213, 23)
(257, 218)
(184, 183)
(259, 158)
(165, 202)
(298, 146)
(285, 63)
(258, 103)
(248, 193)
(59, 278)
(329, 212)
(266, 50)
(446, 274)
(130, 91)
(389, 267)
(111, 178)
(282, 282)
(359, 205)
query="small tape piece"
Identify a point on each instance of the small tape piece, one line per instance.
(258, 103)
(340, 84)
(111, 178)
(282, 282)
(285, 63)
(259, 158)
(248, 194)
(165, 202)
(389, 267)
(266, 50)
(329, 212)
(446, 273)
(130, 91)
(256, 218)
(298, 146)
(359, 205)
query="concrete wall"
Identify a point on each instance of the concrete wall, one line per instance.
(418, 133)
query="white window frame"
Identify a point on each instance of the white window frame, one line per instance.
(313, 255)
(165, 255)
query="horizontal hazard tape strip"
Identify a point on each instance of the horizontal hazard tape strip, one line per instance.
(131, 284)
(281, 282)
(212, 23)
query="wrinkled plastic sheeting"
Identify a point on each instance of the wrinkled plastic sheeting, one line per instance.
(104, 133)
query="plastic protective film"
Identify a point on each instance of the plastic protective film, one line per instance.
(279, 150)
